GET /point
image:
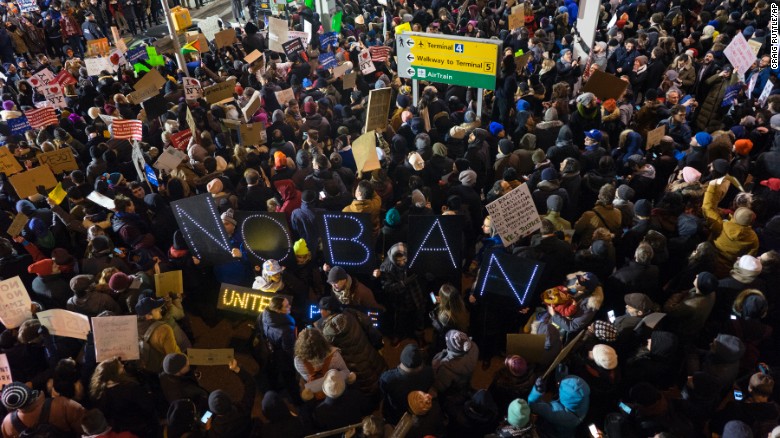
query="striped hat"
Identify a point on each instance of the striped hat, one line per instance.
(17, 395)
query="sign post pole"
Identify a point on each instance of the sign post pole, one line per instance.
(414, 92)
(175, 37)
(479, 104)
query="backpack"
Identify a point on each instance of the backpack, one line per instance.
(150, 359)
(43, 429)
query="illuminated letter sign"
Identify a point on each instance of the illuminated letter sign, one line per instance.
(265, 235)
(347, 240)
(201, 226)
(508, 275)
(244, 300)
(435, 246)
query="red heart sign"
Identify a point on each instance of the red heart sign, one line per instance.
(54, 90)
(35, 82)
(364, 55)
(115, 59)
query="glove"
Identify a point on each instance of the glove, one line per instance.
(540, 386)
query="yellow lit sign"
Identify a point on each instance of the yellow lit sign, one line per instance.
(245, 300)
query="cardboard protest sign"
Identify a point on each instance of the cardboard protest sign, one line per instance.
(605, 86)
(220, 92)
(755, 46)
(348, 81)
(529, 347)
(564, 353)
(202, 43)
(199, 221)
(340, 70)
(252, 57)
(654, 136)
(5, 371)
(25, 183)
(521, 61)
(98, 47)
(9, 165)
(224, 38)
(517, 19)
(116, 336)
(192, 89)
(277, 34)
(210, 27)
(252, 134)
(166, 283)
(364, 151)
(244, 300)
(252, 106)
(95, 66)
(436, 246)
(366, 64)
(60, 160)
(285, 96)
(378, 108)
(19, 125)
(214, 356)
(148, 86)
(740, 54)
(15, 303)
(266, 235)
(347, 239)
(508, 276)
(65, 323)
(102, 200)
(119, 42)
(181, 139)
(514, 215)
(17, 225)
(169, 159)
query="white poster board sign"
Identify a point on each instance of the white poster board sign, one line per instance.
(65, 323)
(514, 215)
(116, 336)
(5, 371)
(15, 303)
(102, 200)
(192, 88)
(277, 34)
(739, 54)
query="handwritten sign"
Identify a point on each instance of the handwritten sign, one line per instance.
(252, 57)
(167, 282)
(245, 300)
(605, 86)
(61, 160)
(41, 78)
(366, 64)
(116, 336)
(517, 20)
(364, 151)
(5, 371)
(378, 108)
(654, 137)
(102, 200)
(98, 47)
(25, 183)
(252, 134)
(740, 54)
(8, 163)
(28, 6)
(213, 356)
(285, 96)
(119, 42)
(220, 92)
(277, 34)
(252, 106)
(192, 89)
(224, 38)
(17, 225)
(148, 86)
(65, 323)
(15, 303)
(514, 215)
(95, 66)
(340, 70)
(169, 159)
(348, 81)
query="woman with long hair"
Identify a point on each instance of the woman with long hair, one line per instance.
(314, 357)
(126, 404)
(450, 313)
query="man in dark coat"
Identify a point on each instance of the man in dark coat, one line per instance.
(637, 276)
(395, 385)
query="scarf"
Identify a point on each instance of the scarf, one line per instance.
(345, 296)
(641, 69)
(743, 275)
(266, 285)
(586, 113)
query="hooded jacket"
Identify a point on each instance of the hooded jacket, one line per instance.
(348, 333)
(730, 239)
(587, 306)
(658, 366)
(291, 198)
(560, 418)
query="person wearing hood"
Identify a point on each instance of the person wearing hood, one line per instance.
(750, 307)
(254, 39)
(102, 256)
(554, 208)
(513, 381)
(756, 413)
(657, 362)
(281, 422)
(731, 238)
(477, 156)
(586, 117)
(560, 417)
(303, 220)
(722, 360)
(453, 368)
(406, 315)
(564, 147)
(743, 275)
(315, 120)
(229, 418)
(718, 97)
(603, 214)
(183, 420)
(547, 130)
(291, 198)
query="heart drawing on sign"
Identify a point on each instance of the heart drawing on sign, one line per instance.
(54, 90)
(115, 59)
(364, 55)
(35, 82)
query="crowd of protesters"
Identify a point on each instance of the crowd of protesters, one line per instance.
(661, 261)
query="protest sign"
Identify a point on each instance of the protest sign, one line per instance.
(116, 336)
(605, 86)
(95, 66)
(378, 108)
(293, 47)
(277, 34)
(170, 159)
(181, 139)
(19, 125)
(199, 40)
(739, 54)
(17, 225)
(514, 215)
(25, 183)
(252, 57)
(517, 20)
(151, 176)
(765, 93)
(284, 96)
(529, 347)
(213, 356)
(564, 353)
(755, 46)
(15, 303)
(654, 136)
(119, 42)
(436, 246)
(191, 120)
(53, 93)
(521, 61)
(136, 55)
(98, 47)
(42, 117)
(192, 89)
(60, 160)
(5, 371)
(28, 6)
(297, 34)
(252, 134)
(224, 38)
(64, 78)
(348, 81)
(166, 283)
(155, 106)
(329, 39)
(347, 239)
(102, 200)
(244, 300)
(252, 106)
(210, 27)
(41, 78)
(199, 222)
(340, 70)
(148, 86)
(327, 60)
(9, 165)
(220, 92)
(265, 235)
(57, 194)
(366, 64)
(364, 151)
(508, 276)
(127, 129)
(65, 323)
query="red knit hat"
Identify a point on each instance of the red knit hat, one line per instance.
(120, 281)
(743, 146)
(42, 267)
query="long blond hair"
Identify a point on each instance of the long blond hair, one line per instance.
(108, 371)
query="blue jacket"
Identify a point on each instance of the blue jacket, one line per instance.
(560, 418)
(303, 222)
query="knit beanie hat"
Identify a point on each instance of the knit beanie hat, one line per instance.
(300, 248)
(519, 413)
(228, 217)
(42, 268)
(219, 402)
(468, 178)
(334, 385)
(80, 283)
(174, 362)
(280, 159)
(411, 356)
(17, 395)
(538, 156)
(505, 146)
(441, 150)
(703, 139)
(8, 105)
(418, 199)
(419, 402)
(743, 146)
(737, 429)
(690, 174)
(516, 365)
(554, 203)
(393, 217)
(643, 208)
(336, 274)
(706, 283)
(120, 281)
(625, 192)
(458, 342)
(744, 216)
(214, 186)
(605, 356)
